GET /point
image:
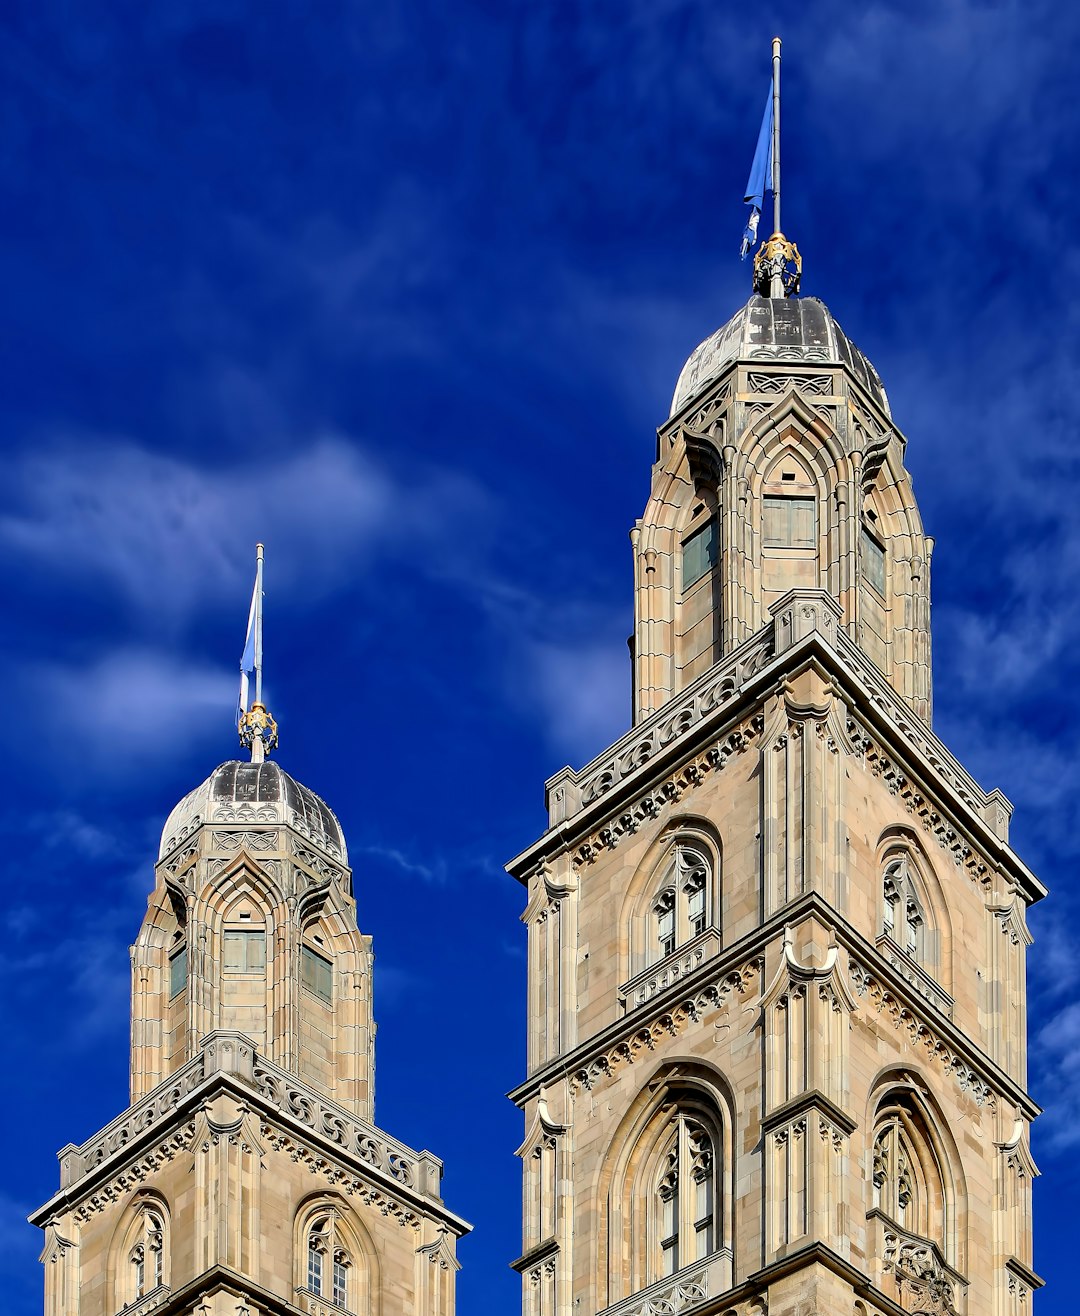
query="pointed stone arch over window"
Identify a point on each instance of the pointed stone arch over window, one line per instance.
(914, 928)
(669, 1189)
(675, 900)
(333, 1264)
(914, 1175)
(140, 1265)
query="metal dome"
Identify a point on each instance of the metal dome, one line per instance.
(255, 794)
(799, 329)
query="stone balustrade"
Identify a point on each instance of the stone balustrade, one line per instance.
(685, 1290)
(674, 967)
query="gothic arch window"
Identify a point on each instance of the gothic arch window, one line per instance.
(904, 912)
(686, 1195)
(669, 1189)
(683, 899)
(908, 1183)
(331, 1264)
(142, 1260)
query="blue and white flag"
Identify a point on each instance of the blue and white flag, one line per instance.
(247, 659)
(760, 180)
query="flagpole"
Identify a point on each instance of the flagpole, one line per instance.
(777, 289)
(258, 622)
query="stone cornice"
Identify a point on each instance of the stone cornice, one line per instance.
(654, 754)
(291, 1117)
(709, 986)
(813, 1100)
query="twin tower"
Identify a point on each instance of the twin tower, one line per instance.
(776, 938)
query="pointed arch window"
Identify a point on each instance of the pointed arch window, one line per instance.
(908, 1182)
(146, 1257)
(680, 910)
(328, 1263)
(686, 1196)
(904, 915)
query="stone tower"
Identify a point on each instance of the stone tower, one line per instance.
(776, 933)
(247, 1177)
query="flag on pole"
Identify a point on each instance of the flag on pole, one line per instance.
(247, 659)
(760, 180)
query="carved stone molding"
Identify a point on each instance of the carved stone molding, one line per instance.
(651, 804)
(960, 850)
(569, 791)
(671, 1023)
(921, 1034)
(926, 1285)
(679, 964)
(682, 1292)
(118, 1188)
(332, 1121)
(339, 1177)
(232, 841)
(815, 385)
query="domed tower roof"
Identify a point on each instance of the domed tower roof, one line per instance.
(797, 329)
(255, 793)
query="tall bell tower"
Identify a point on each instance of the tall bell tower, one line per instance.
(247, 1177)
(776, 933)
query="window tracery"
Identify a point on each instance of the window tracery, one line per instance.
(904, 915)
(909, 1186)
(686, 1194)
(680, 909)
(329, 1263)
(144, 1256)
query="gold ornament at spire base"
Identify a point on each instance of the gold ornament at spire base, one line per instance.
(258, 732)
(777, 268)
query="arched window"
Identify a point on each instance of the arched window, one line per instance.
(328, 1263)
(686, 1196)
(903, 912)
(680, 909)
(144, 1268)
(908, 1185)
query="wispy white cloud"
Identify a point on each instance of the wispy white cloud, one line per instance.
(167, 533)
(583, 691)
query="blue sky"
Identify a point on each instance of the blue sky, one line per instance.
(403, 289)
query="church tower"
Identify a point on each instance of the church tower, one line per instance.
(776, 933)
(247, 1177)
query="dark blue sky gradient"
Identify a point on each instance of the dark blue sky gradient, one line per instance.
(403, 289)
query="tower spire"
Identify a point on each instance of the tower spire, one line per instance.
(777, 265)
(258, 730)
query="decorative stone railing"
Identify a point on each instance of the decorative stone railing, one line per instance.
(994, 809)
(798, 614)
(233, 1053)
(673, 968)
(421, 1171)
(915, 975)
(568, 791)
(683, 1291)
(914, 1271)
(148, 1303)
(154, 1107)
(315, 1305)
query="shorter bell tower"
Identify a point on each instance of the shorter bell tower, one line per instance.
(247, 1175)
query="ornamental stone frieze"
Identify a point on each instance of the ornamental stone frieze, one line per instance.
(920, 1033)
(652, 804)
(672, 1021)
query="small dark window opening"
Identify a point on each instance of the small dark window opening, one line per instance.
(316, 974)
(245, 950)
(790, 522)
(699, 554)
(177, 972)
(873, 558)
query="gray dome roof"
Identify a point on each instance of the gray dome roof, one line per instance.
(797, 329)
(255, 793)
